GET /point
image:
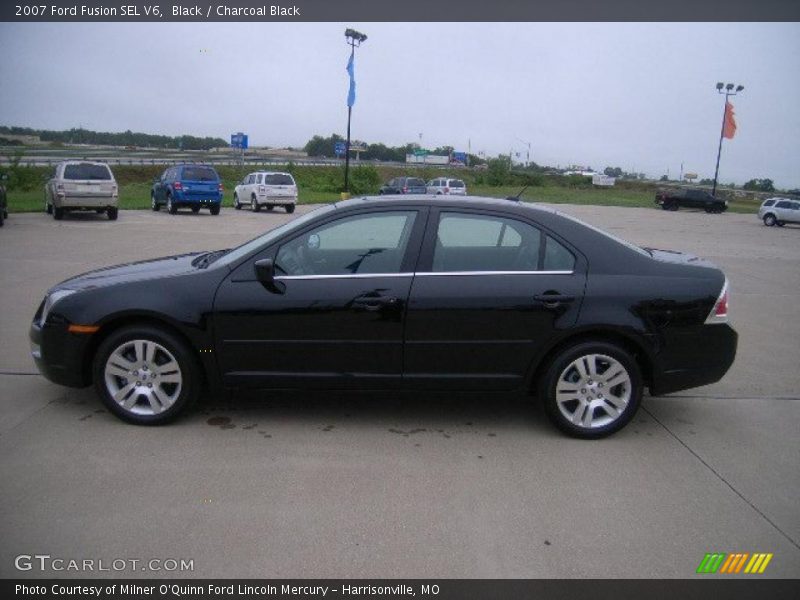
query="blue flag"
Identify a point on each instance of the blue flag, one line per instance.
(351, 95)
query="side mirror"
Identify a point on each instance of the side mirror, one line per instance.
(265, 274)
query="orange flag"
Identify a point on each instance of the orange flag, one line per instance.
(729, 129)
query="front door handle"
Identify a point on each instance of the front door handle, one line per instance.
(375, 303)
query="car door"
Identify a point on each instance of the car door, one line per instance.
(335, 315)
(490, 290)
(161, 186)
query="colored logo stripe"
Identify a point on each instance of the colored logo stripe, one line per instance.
(723, 562)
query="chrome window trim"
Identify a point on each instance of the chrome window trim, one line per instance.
(423, 274)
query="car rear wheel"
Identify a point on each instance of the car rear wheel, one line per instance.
(673, 206)
(58, 213)
(155, 206)
(290, 208)
(171, 208)
(145, 375)
(254, 204)
(214, 209)
(592, 390)
(236, 204)
(770, 220)
(112, 213)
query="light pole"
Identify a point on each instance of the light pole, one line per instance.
(728, 90)
(355, 39)
(528, 156)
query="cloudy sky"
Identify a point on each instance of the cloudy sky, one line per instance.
(640, 96)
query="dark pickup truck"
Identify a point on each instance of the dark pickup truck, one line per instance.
(674, 199)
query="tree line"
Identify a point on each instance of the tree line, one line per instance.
(125, 138)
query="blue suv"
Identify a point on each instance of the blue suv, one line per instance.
(191, 186)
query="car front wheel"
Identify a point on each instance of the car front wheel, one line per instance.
(145, 375)
(770, 220)
(592, 390)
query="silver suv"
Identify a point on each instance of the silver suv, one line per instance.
(81, 185)
(779, 211)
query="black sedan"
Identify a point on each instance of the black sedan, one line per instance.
(407, 293)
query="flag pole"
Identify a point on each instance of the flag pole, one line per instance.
(728, 91)
(349, 114)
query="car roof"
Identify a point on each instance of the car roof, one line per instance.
(83, 162)
(484, 202)
(271, 173)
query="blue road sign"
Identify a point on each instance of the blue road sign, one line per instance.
(339, 148)
(239, 140)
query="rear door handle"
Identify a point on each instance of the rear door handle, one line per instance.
(553, 300)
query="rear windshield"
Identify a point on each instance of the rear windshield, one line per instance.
(199, 174)
(278, 179)
(87, 171)
(415, 181)
(456, 183)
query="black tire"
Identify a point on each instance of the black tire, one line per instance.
(254, 204)
(189, 372)
(195, 209)
(236, 204)
(58, 213)
(290, 208)
(770, 220)
(215, 209)
(673, 206)
(2, 218)
(48, 208)
(171, 208)
(562, 365)
(112, 213)
(154, 206)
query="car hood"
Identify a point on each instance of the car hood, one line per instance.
(135, 271)
(681, 258)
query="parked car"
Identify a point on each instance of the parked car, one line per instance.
(268, 189)
(442, 186)
(3, 199)
(81, 186)
(405, 293)
(404, 185)
(779, 211)
(189, 185)
(673, 199)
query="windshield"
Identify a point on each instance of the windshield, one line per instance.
(87, 171)
(278, 179)
(619, 240)
(270, 236)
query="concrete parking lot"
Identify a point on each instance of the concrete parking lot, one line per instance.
(369, 485)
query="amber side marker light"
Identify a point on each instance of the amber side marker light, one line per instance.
(83, 328)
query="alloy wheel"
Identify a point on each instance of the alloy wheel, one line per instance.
(143, 377)
(593, 391)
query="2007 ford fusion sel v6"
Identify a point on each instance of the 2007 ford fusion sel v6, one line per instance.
(409, 293)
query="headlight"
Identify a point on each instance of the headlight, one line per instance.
(51, 300)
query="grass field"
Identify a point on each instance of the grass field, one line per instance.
(137, 196)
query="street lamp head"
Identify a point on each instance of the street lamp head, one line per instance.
(354, 35)
(720, 85)
(729, 87)
(739, 88)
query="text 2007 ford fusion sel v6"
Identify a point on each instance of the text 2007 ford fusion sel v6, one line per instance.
(409, 293)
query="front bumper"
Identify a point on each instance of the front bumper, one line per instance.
(60, 355)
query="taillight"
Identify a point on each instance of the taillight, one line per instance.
(719, 313)
(221, 188)
(405, 190)
(177, 185)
